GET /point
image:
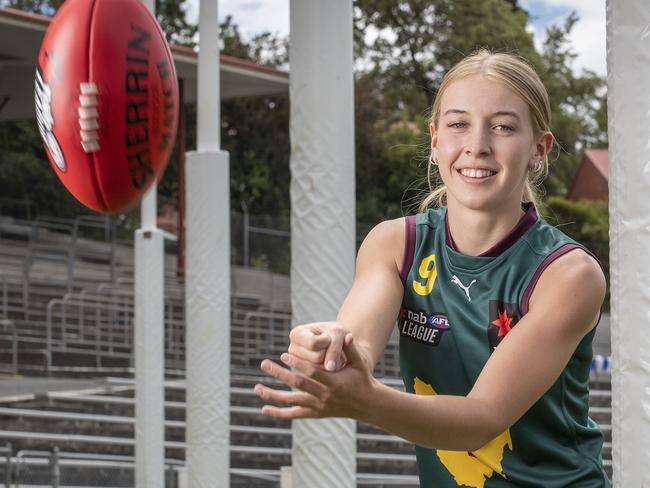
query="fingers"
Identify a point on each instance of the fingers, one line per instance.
(333, 360)
(293, 398)
(289, 413)
(303, 403)
(292, 379)
(320, 342)
(310, 337)
(351, 350)
(316, 357)
(317, 377)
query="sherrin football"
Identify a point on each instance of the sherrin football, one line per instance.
(106, 100)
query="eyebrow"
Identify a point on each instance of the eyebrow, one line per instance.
(499, 113)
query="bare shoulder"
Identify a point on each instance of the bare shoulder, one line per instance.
(574, 285)
(576, 267)
(385, 242)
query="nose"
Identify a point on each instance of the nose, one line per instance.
(478, 142)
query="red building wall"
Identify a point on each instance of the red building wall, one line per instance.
(590, 181)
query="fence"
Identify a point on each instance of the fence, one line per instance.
(257, 241)
(56, 468)
(100, 325)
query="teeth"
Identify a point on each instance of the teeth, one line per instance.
(476, 173)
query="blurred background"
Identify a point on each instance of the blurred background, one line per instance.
(66, 275)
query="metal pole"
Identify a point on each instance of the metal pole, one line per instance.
(98, 334)
(54, 467)
(209, 95)
(149, 359)
(9, 468)
(628, 70)
(112, 226)
(148, 344)
(207, 276)
(285, 477)
(5, 297)
(72, 253)
(246, 226)
(14, 348)
(322, 210)
(48, 335)
(180, 142)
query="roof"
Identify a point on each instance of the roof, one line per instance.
(21, 34)
(599, 158)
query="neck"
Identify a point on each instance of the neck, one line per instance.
(476, 231)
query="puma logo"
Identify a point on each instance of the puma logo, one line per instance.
(456, 280)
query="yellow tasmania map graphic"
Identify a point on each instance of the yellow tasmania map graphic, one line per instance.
(471, 468)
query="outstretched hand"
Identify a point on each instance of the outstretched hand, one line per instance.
(320, 393)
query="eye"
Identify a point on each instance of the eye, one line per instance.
(504, 128)
(457, 125)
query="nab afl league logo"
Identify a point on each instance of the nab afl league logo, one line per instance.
(423, 327)
(45, 119)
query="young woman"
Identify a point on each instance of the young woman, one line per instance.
(496, 309)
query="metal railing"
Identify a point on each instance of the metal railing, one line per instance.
(93, 237)
(52, 467)
(103, 324)
(60, 240)
(371, 451)
(8, 325)
(6, 451)
(12, 284)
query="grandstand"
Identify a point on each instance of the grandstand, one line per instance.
(66, 359)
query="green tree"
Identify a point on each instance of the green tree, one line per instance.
(585, 221)
(578, 105)
(25, 173)
(44, 7)
(264, 48)
(419, 41)
(390, 155)
(172, 16)
(404, 51)
(255, 130)
(497, 24)
(400, 70)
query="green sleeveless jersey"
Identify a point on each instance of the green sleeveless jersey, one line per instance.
(455, 312)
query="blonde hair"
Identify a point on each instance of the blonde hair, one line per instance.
(521, 78)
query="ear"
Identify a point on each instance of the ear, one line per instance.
(434, 139)
(543, 147)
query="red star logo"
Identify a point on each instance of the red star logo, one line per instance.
(503, 323)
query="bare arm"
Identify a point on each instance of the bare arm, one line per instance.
(372, 305)
(563, 308)
(369, 310)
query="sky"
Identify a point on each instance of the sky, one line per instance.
(588, 36)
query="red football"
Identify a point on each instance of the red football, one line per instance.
(106, 100)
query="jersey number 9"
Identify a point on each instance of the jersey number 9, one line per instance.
(428, 274)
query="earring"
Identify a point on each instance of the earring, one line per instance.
(432, 161)
(538, 166)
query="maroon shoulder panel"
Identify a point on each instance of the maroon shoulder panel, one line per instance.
(561, 251)
(409, 246)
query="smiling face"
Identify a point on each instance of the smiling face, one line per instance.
(484, 143)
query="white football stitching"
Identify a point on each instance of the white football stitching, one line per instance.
(88, 117)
